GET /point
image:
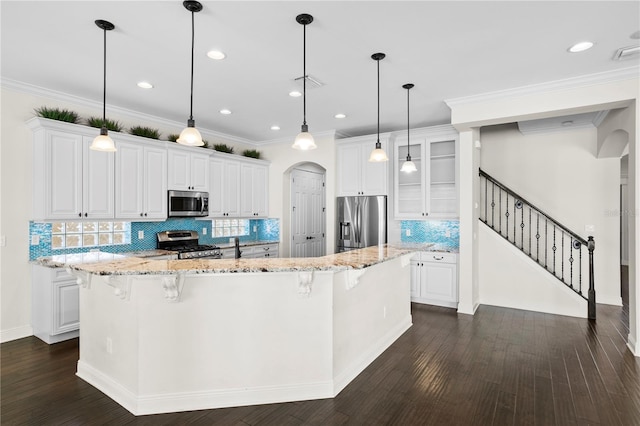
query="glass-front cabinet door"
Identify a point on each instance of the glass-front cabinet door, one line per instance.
(410, 188)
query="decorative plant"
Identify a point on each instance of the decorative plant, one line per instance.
(112, 125)
(173, 137)
(253, 153)
(146, 132)
(206, 144)
(223, 147)
(58, 114)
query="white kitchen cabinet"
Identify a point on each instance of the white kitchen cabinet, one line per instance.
(260, 251)
(224, 188)
(434, 279)
(141, 181)
(70, 181)
(254, 190)
(55, 314)
(431, 191)
(188, 169)
(356, 174)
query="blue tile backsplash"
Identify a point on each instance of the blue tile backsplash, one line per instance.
(432, 231)
(265, 230)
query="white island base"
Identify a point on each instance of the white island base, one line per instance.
(233, 339)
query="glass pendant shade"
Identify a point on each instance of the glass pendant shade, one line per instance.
(378, 155)
(103, 142)
(408, 166)
(304, 141)
(190, 136)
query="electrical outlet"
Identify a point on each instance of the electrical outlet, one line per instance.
(407, 232)
(232, 240)
(3, 241)
(255, 228)
(447, 233)
(109, 345)
(384, 312)
(204, 231)
(141, 235)
(35, 240)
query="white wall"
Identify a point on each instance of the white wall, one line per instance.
(559, 173)
(16, 185)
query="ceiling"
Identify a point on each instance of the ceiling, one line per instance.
(447, 49)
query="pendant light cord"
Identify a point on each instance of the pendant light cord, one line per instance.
(304, 75)
(378, 140)
(104, 81)
(192, 48)
(408, 149)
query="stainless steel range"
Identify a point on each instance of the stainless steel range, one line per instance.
(187, 246)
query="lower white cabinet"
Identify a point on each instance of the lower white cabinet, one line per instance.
(434, 279)
(253, 252)
(55, 314)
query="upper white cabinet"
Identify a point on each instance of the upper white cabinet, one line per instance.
(141, 181)
(188, 169)
(431, 191)
(254, 190)
(356, 175)
(224, 188)
(70, 180)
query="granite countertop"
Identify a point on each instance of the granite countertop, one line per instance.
(246, 244)
(63, 260)
(354, 259)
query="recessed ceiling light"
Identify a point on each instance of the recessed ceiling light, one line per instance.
(295, 94)
(581, 47)
(216, 54)
(340, 116)
(275, 127)
(145, 85)
(225, 111)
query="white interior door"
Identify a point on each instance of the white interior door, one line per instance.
(307, 214)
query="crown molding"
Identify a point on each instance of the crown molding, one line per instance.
(621, 74)
(30, 89)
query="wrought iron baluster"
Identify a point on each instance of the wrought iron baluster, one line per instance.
(486, 204)
(521, 225)
(554, 248)
(500, 211)
(538, 237)
(546, 241)
(493, 204)
(529, 230)
(507, 216)
(580, 270)
(562, 258)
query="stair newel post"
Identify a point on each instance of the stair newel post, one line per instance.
(591, 245)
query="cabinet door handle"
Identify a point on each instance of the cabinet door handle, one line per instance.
(85, 215)
(145, 215)
(79, 214)
(438, 258)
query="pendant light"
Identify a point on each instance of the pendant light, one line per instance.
(408, 166)
(378, 154)
(304, 141)
(103, 142)
(190, 135)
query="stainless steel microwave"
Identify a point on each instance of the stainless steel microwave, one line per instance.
(188, 204)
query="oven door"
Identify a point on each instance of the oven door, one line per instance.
(188, 204)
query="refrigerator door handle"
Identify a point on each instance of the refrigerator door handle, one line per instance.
(357, 223)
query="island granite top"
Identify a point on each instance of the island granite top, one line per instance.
(354, 259)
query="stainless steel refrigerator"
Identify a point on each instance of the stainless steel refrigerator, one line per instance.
(361, 222)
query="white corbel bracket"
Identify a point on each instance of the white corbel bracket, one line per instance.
(121, 285)
(305, 279)
(353, 277)
(173, 286)
(83, 278)
(406, 260)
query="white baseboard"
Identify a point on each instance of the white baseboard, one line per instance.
(615, 301)
(633, 345)
(467, 308)
(15, 333)
(343, 378)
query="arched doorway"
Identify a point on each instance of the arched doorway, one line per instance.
(305, 210)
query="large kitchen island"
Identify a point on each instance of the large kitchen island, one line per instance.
(173, 335)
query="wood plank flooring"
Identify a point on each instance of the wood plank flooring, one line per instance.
(499, 367)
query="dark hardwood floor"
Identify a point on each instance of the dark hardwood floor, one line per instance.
(501, 366)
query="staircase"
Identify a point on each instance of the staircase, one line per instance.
(561, 252)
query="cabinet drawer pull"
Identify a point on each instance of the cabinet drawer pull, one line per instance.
(438, 258)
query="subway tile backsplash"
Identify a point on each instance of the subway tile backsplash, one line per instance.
(259, 229)
(444, 233)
